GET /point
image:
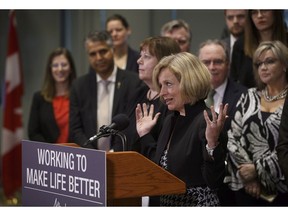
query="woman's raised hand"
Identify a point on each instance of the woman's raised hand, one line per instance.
(145, 119)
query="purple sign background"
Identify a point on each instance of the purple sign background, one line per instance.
(55, 175)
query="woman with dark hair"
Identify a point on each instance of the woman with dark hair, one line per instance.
(49, 114)
(124, 56)
(261, 25)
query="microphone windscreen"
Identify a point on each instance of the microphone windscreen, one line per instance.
(121, 121)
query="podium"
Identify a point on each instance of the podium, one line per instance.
(130, 176)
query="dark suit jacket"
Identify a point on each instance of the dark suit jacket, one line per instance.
(83, 102)
(231, 96)
(187, 155)
(132, 58)
(241, 65)
(42, 125)
(282, 148)
(227, 41)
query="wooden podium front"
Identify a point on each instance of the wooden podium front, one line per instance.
(130, 176)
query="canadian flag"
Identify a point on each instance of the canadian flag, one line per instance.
(12, 131)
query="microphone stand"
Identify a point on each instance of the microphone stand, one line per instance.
(109, 132)
(122, 137)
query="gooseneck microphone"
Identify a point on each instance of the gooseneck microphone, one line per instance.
(119, 123)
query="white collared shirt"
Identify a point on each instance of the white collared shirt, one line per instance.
(111, 87)
(232, 41)
(218, 96)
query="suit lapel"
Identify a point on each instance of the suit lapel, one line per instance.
(93, 97)
(229, 95)
(117, 91)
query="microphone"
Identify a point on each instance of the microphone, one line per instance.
(119, 123)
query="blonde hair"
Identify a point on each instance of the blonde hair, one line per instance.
(279, 50)
(192, 74)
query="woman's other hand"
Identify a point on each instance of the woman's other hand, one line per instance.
(215, 125)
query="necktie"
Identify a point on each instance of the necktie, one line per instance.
(210, 101)
(104, 113)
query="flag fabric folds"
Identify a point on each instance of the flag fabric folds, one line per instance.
(12, 130)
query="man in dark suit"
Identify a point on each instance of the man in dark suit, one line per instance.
(214, 54)
(86, 111)
(235, 23)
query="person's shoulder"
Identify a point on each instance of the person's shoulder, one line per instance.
(226, 40)
(238, 86)
(251, 93)
(83, 78)
(252, 90)
(127, 73)
(37, 95)
(133, 51)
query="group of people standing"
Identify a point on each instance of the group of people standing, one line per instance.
(212, 120)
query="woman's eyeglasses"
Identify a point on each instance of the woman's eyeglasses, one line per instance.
(267, 62)
(257, 12)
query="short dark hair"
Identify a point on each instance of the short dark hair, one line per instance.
(102, 36)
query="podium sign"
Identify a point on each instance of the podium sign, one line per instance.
(57, 175)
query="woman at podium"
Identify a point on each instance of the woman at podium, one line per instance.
(190, 144)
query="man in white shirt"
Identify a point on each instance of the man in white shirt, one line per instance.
(105, 88)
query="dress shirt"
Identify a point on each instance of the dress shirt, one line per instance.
(218, 96)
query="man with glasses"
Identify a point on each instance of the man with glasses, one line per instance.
(214, 54)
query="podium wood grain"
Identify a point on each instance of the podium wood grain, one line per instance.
(131, 175)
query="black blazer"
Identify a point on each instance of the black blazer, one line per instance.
(282, 147)
(132, 58)
(187, 156)
(241, 65)
(231, 96)
(83, 102)
(42, 125)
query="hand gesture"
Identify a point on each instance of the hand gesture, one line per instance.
(145, 119)
(215, 126)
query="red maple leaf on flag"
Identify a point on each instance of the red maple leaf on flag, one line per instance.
(12, 131)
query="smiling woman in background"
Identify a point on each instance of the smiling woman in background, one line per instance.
(49, 114)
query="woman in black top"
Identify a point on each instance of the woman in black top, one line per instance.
(188, 145)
